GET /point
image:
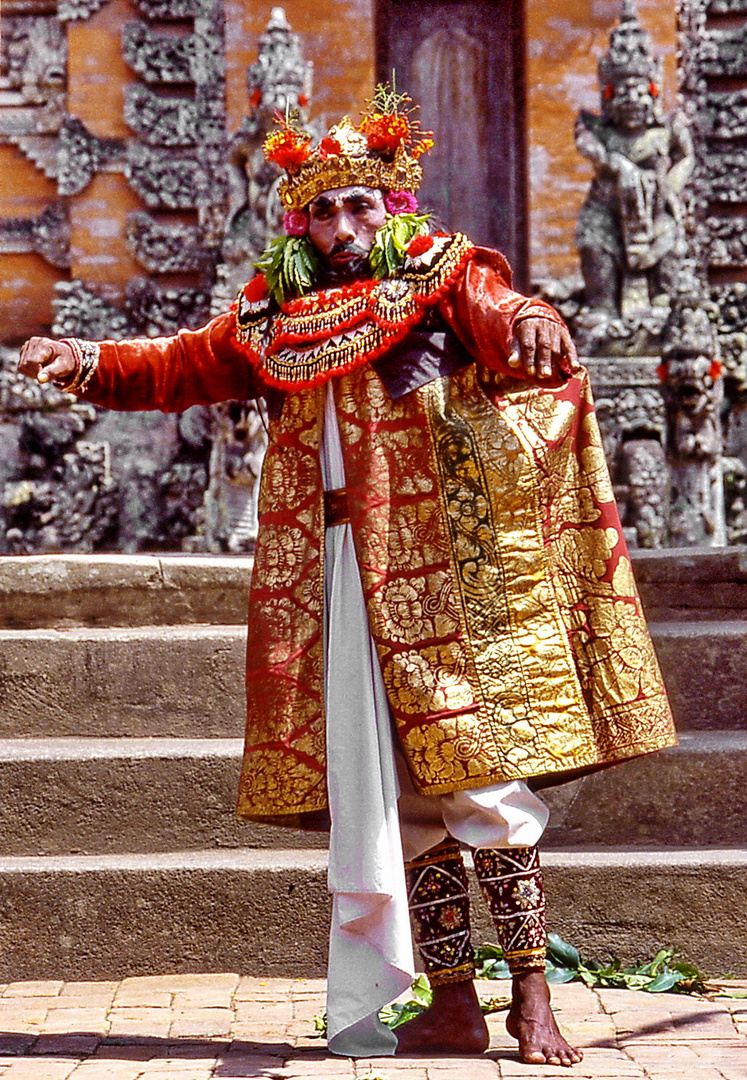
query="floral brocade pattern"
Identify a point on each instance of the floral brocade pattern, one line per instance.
(499, 592)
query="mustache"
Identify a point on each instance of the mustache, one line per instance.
(347, 248)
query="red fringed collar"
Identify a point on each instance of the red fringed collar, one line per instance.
(328, 333)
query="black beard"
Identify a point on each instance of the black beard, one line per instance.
(359, 267)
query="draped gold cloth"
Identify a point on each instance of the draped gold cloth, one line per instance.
(498, 585)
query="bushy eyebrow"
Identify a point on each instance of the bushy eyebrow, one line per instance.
(321, 202)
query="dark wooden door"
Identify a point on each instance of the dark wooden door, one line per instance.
(462, 61)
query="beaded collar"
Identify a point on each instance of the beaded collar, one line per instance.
(327, 333)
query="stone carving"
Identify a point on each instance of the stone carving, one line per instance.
(693, 394)
(735, 496)
(33, 60)
(80, 312)
(167, 9)
(630, 410)
(81, 154)
(156, 311)
(630, 232)
(158, 58)
(167, 248)
(160, 121)
(730, 319)
(280, 79)
(723, 52)
(47, 235)
(70, 10)
(724, 114)
(727, 7)
(164, 179)
(727, 238)
(644, 486)
(725, 176)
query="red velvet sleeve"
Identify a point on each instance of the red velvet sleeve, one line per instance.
(195, 367)
(482, 309)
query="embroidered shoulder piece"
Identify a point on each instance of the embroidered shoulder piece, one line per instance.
(327, 333)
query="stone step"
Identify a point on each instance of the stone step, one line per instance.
(64, 796)
(142, 590)
(122, 590)
(92, 796)
(266, 913)
(137, 681)
(188, 680)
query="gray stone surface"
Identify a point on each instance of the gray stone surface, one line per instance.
(89, 796)
(704, 665)
(266, 913)
(63, 796)
(139, 590)
(148, 680)
(684, 584)
(691, 795)
(189, 680)
(122, 590)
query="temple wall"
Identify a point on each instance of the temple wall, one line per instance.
(565, 39)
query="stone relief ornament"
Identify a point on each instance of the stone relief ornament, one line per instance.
(80, 155)
(158, 120)
(47, 235)
(630, 233)
(164, 179)
(167, 9)
(80, 312)
(71, 10)
(158, 58)
(167, 248)
(693, 395)
(280, 79)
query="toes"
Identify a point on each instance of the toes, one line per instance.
(533, 1057)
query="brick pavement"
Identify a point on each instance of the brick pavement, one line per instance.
(210, 1027)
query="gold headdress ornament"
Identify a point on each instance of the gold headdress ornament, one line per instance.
(382, 152)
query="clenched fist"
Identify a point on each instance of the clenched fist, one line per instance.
(46, 360)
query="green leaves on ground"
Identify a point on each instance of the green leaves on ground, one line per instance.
(564, 964)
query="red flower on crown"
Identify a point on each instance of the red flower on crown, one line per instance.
(385, 132)
(287, 148)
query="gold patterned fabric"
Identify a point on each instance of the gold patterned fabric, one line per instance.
(511, 638)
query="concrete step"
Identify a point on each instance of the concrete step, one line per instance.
(704, 667)
(266, 913)
(189, 680)
(65, 796)
(137, 590)
(92, 796)
(690, 794)
(122, 590)
(137, 681)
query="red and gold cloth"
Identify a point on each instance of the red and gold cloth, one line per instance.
(498, 586)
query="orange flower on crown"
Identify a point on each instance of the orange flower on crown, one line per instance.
(287, 148)
(385, 132)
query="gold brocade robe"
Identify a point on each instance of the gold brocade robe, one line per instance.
(497, 581)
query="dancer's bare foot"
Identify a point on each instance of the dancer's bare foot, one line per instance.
(453, 1024)
(530, 1020)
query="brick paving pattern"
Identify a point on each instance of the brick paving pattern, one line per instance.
(201, 1027)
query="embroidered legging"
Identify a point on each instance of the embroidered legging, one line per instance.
(438, 895)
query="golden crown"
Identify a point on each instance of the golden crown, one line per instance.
(383, 151)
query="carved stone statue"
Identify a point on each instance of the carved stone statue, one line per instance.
(630, 231)
(693, 393)
(280, 80)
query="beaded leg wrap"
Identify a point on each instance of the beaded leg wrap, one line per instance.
(438, 896)
(511, 881)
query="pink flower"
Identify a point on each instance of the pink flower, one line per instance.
(296, 222)
(401, 202)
